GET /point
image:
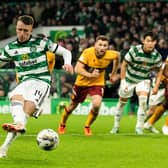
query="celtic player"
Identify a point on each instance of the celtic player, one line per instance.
(139, 61)
(29, 56)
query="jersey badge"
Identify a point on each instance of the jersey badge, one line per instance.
(25, 57)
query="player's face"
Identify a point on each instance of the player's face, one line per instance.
(148, 44)
(101, 47)
(23, 31)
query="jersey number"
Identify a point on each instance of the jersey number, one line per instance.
(38, 95)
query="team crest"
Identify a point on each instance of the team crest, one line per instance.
(25, 57)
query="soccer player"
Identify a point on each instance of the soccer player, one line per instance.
(138, 62)
(160, 101)
(90, 69)
(29, 56)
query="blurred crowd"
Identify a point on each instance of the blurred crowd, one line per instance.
(123, 23)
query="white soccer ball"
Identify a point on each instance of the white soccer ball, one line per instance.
(165, 130)
(47, 139)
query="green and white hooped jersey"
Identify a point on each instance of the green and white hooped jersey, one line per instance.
(140, 64)
(30, 58)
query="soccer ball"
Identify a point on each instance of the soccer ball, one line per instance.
(47, 139)
(165, 130)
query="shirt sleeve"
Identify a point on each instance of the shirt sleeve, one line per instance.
(60, 51)
(129, 55)
(83, 57)
(4, 58)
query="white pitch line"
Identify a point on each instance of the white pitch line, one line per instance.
(109, 134)
(99, 134)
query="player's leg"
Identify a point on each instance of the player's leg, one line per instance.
(142, 90)
(18, 114)
(21, 108)
(11, 136)
(96, 93)
(155, 111)
(125, 91)
(65, 115)
(78, 95)
(26, 99)
(117, 116)
(93, 113)
(141, 114)
(158, 112)
(19, 118)
(149, 112)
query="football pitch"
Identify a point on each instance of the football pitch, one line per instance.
(102, 150)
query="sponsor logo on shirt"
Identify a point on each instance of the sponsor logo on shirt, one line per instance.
(27, 62)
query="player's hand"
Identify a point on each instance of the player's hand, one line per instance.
(113, 78)
(124, 84)
(68, 68)
(95, 73)
(154, 90)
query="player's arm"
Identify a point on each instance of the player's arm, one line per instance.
(127, 60)
(123, 69)
(61, 51)
(158, 78)
(81, 70)
(3, 59)
(123, 72)
(115, 68)
(67, 56)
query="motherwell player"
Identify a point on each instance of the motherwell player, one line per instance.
(90, 70)
(162, 104)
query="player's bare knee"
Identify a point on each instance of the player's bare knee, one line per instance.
(29, 108)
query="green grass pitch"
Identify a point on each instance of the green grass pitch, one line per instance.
(102, 150)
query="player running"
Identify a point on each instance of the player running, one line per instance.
(90, 70)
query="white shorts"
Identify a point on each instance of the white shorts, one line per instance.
(33, 90)
(158, 98)
(126, 89)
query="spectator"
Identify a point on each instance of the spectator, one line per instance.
(163, 48)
